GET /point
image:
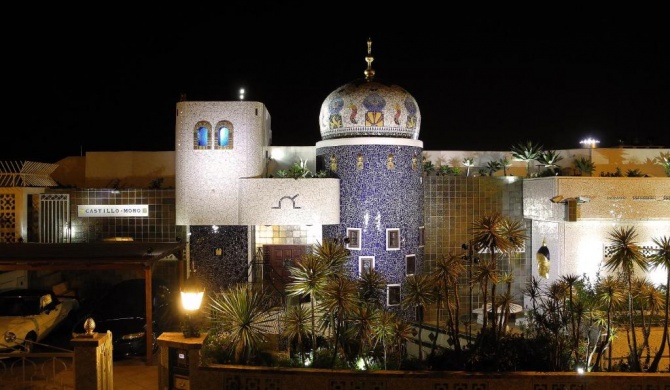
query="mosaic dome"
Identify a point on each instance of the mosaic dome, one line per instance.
(369, 107)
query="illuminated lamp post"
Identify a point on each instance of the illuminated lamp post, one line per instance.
(590, 143)
(192, 293)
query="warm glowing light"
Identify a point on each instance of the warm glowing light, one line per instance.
(241, 93)
(191, 300)
(590, 142)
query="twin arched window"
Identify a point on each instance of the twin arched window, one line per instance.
(221, 138)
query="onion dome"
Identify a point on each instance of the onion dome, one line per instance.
(369, 107)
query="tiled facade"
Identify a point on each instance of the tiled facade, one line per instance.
(452, 205)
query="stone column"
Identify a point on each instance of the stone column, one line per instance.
(93, 368)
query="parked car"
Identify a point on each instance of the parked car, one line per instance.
(30, 315)
(122, 310)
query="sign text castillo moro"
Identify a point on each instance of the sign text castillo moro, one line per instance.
(119, 210)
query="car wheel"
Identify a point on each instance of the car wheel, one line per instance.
(28, 342)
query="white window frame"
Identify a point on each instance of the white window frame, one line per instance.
(388, 236)
(388, 294)
(422, 236)
(406, 264)
(361, 259)
(358, 233)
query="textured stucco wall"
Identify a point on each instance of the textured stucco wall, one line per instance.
(307, 201)
(206, 186)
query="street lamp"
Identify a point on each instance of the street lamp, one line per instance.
(192, 293)
(590, 142)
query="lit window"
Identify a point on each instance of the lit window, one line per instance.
(223, 137)
(201, 135)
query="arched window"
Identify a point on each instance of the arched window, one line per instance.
(201, 135)
(223, 136)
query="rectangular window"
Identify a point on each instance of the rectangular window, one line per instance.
(393, 295)
(354, 236)
(365, 262)
(410, 264)
(392, 239)
(422, 236)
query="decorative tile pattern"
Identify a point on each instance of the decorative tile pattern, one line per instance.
(375, 199)
(364, 108)
(231, 267)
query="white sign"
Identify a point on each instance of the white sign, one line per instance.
(117, 210)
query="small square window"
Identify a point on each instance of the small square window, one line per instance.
(393, 295)
(354, 236)
(422, 236)
(365, 262)
(392, 239)
(410, 264)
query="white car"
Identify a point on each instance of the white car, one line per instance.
(29, 315)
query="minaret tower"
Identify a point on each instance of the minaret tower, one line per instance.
(369, 130)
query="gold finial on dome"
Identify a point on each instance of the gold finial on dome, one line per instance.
(369, 72)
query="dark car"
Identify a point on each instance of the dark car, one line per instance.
(122, 311)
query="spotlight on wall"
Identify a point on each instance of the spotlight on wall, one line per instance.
(241, 93)
(583, 199)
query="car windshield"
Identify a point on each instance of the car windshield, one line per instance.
(19, 305)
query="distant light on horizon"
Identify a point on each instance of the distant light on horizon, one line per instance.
(241, 93)
(590, 142)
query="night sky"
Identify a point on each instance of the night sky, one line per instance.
(110, 81)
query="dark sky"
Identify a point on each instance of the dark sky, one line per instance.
(109, 80)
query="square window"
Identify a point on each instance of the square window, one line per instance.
(365, 262)
(392, 239)
(393, 295)
(354, 236)
(410, 264)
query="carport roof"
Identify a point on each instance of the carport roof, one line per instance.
(97, 255)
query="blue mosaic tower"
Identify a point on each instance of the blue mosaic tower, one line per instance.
(369, 130)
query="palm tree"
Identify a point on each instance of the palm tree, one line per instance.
(312, 272)
(419, 292)
(526, 152)
(484, 273)
(505, 163)
(468, 162)
(627, 255)
(496, 233)
(609, 293)
(571, 280)
(297, 327)
(493, 166)
(371, 285)
(403, 333)
(242, 312)
(446, 274)
(308, 278)
(650, 301)
(363, 319)
(585, 165)
(383, 330)
(550, 159)
(661, 258)
(340, 297)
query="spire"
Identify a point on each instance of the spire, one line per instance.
(369, 72)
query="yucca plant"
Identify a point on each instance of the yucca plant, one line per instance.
(241, 313)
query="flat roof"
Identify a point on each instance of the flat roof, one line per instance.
(97, 255)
